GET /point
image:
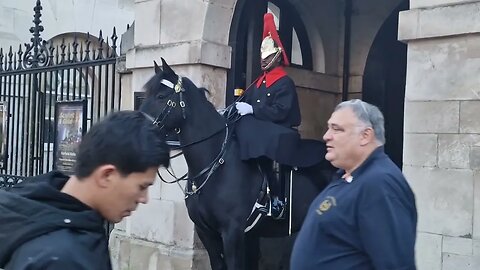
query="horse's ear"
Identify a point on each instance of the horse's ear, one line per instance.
(166, 68)
(157, 68)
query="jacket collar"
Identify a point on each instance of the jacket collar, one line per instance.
(270, 77)
(377, 153)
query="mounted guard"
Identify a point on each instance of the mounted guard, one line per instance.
(270, 112)
(221, 189)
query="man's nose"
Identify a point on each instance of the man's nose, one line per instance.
(327, 136)
(144, 198)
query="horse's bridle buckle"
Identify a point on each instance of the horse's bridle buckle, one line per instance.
(171, 103)
(178, 87)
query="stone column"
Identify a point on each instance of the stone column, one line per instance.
(192, 36)
(442, 129)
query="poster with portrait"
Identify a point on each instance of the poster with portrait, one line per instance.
(3, 133)
(70, 125)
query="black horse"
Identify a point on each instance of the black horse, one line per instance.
(221, 189)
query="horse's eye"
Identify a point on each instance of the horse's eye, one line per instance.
(163, 95)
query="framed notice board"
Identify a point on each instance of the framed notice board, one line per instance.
(70, 125)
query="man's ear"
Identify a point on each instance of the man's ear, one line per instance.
(368, 136)
(104, 174)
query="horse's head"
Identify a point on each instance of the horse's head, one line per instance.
(175, 103)
(165, 98)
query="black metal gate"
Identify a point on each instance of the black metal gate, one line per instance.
(37, 76)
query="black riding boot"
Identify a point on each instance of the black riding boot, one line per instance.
(277, 203)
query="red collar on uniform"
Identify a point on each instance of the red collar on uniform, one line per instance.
(271, 77)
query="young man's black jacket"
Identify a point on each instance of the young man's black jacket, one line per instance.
(43, 228)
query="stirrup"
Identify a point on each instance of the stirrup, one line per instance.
(278, 213)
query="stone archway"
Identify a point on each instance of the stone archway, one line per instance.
(384, 81)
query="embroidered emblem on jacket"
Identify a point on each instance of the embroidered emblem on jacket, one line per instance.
(326, 205)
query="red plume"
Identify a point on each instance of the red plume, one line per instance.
(269, 28)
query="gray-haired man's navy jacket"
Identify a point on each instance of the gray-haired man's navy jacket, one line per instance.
(368, 222)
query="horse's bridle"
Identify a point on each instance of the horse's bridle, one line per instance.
(159, 122)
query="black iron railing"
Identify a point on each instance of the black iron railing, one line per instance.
(39, 74)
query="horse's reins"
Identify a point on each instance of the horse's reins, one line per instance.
(159, 122)
(231, 118)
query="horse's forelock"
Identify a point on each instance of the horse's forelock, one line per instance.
(154, 85)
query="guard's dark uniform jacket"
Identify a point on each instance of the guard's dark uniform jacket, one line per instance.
(43, 228)
(368, 223)
(275, 102)
(270, 130)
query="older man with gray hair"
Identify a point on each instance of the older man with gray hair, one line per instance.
(366, 218)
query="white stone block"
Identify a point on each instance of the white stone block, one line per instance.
(451, 64)
(196, 52)
(420, 150)
(127, 92)
(457, 245)
(408, 24)
(224, 3)
(476, 213)
(470, 116)
(457, 262)
(461, 19)
(213, 79)
(476, 254)
(432, 117)
(454, 150)
(215, 54)
(140, 77)
(182, 20)
(428, 251)
(184, 232)
(174, 191)
(154, 190)
(147, 22)
(475, 158)
(434, 3)
(154, 222)
(218, 20)
(128, 253)
(444, 199)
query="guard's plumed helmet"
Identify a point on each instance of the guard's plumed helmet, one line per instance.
(271, 43)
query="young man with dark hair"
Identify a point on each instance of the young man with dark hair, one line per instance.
(54, 221)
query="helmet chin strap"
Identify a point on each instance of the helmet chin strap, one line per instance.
(274, 59)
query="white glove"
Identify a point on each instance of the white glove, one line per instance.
(243, 108)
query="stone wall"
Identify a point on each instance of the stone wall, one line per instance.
(160, 235)
(60, 16)
(442, 130)
(318, 94)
